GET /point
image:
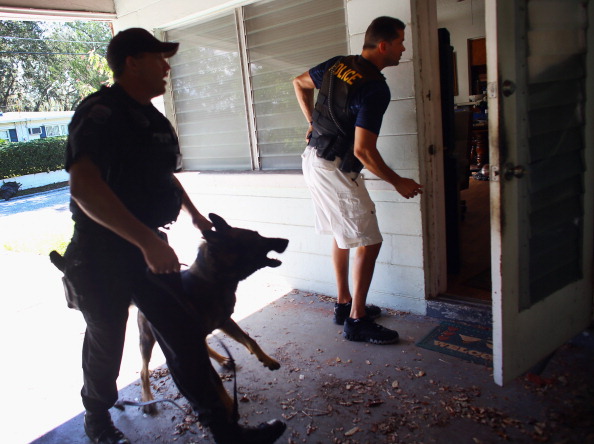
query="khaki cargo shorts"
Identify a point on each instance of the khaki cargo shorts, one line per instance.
(342, 203)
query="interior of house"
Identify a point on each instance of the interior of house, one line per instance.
(463, 66)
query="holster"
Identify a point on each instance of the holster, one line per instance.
(72, 299)
(349, 163)
(326, 147)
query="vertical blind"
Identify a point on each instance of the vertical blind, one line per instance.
(208, 97)
(281, 39)
(285, 38)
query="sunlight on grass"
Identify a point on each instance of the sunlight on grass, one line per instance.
(40, 241)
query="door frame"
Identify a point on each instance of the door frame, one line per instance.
(430, 142)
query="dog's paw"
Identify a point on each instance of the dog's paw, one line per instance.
(272, 364)
(228, 364)
(150, 409)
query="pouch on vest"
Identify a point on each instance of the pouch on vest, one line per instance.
(350, 164)
(324, 145)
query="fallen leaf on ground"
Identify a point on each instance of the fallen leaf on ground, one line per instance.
(352, 431)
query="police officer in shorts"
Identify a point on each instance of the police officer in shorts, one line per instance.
(343, 129)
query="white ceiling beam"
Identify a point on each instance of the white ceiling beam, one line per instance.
(34, 14)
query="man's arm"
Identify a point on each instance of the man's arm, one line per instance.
(304, 90)
(199, 221)
(99, 202)
(366, 151)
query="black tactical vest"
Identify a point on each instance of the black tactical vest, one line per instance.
(333, 120)
(144, 156)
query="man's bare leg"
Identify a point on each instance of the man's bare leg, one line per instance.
(363, 268)
(340, 260)
(360, 325)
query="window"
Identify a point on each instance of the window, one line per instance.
(56, 130)
(36, 130)
(4, 136)
(232, 82)
(208, 96)
(52, 130)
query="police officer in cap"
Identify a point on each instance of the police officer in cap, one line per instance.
(122, 154)
(343, 129)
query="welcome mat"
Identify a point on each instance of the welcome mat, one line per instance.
(465, 341)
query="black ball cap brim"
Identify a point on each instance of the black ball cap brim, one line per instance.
(170, 48)
(134, 41)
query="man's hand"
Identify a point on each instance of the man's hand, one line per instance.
(408, 188)
(367, 152)
(160, 257)
(308, 133)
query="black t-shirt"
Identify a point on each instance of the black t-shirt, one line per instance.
(135, 148)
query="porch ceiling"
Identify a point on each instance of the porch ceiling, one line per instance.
(22, 9)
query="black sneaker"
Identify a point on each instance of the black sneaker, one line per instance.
(265, 433)
(100, 429)
(343, 311)
(365, 330)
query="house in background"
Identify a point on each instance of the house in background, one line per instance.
(241, 133)
(25, 126)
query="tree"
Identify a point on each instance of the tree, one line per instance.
(16, 64)
(51, 65)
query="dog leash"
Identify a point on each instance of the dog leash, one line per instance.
(234, 368)
(122, 403)
(193, 312)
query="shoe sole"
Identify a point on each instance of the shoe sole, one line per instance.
(357, 338)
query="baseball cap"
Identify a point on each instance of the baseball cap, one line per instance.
(134, 41)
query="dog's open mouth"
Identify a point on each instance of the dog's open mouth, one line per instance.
(272, 262)
(278, 245)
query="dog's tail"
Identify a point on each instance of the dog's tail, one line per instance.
(58, 260)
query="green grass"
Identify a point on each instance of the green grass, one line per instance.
(51, 233)
(41, 243)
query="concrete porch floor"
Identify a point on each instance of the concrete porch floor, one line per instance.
(330, 390)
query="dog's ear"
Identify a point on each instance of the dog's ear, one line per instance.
(219, 223)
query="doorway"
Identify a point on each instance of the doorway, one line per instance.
(465, 133)
(473, 280)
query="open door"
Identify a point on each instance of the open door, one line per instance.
(541, 216)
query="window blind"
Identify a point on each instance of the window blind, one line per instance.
(281, 39)
(208, 96)
(284, 39)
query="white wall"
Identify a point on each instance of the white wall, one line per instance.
(280, 205)
(465, 20)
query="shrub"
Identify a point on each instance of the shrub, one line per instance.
(35, 156)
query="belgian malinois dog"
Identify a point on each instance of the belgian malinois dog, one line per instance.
(227, 256)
